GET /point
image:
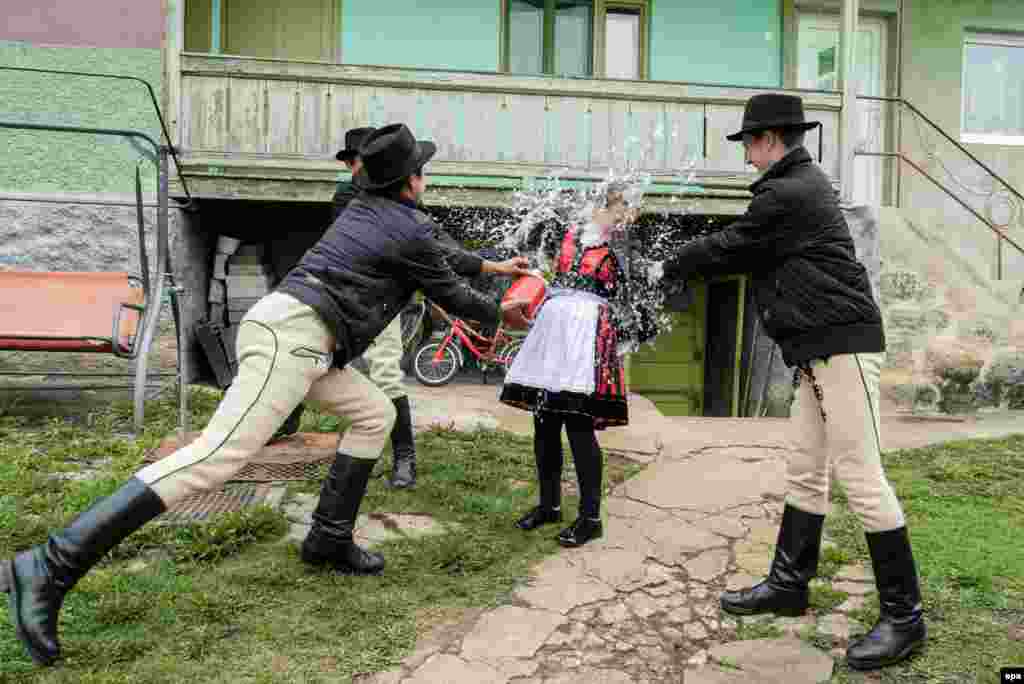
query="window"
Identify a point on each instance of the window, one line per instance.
(576, 38)
(993, 89)
(550, 37)
(623, 37)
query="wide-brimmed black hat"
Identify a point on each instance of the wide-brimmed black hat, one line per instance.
(390, 154)
(773, 110)
(354, 139)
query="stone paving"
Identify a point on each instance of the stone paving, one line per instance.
(641, 604)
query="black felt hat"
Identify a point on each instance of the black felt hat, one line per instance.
(773, 110)
(390, 154)
(354, 139)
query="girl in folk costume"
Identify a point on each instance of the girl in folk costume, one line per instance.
(569, 371)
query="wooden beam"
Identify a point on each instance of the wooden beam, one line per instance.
(266, 69)
(849, 86)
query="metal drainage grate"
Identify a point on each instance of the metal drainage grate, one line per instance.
(302, 457)
(201, 507)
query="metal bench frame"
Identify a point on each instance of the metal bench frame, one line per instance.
(155, 286)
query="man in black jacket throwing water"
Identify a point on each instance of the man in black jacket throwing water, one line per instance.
(330, 307)
(815, 301)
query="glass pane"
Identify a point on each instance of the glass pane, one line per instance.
(994, 89)
(526, 36)
(818, 54)
(573, 44)
(622, 45)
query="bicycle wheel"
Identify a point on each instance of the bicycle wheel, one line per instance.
(508, 354)
(431, 373)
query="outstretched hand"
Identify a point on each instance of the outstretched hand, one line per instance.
(516, 266)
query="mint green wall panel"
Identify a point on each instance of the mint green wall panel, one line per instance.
(737, 42)
(64, 162)
(451, 34)
(933, 49)
(671, 371)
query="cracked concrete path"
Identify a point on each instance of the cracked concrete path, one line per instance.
(641, 604)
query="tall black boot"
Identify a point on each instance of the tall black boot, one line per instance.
(38, 579)
(403, 446)
(785, 591)
(586, 454)
(900, 628)
(547, 452)
(330, 539)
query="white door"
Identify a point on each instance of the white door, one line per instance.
(818, 64)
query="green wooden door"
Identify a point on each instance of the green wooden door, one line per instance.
(671, 374)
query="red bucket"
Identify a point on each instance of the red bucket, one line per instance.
(532, 288)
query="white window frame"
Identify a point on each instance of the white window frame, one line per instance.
(978, 37)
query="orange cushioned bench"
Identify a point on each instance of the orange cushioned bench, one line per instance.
(68, 311)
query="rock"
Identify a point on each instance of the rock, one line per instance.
(741, 580)
(855, 573)
(707, 483)
(616, 568)
(776, 660)
(613, 614)
(753, 560)
(854, 588)
(509, 632)
(671, 635)
(698, 659)
(642, 605)
(592, 676)
(712, 674)
(695, 630)
(680, 616)
(851, 604)
(764, 533)
(708, 565)
(447, 668)
(723, 525)
(838, 626)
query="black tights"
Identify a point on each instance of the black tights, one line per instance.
(586, 454)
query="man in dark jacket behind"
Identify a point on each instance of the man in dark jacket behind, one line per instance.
(815, 301)
(384, 355)
(329, 308)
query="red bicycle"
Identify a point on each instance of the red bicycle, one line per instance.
(436, 363)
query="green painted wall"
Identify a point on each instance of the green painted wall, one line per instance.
(933, 49)
(717, 41)
(451, 34)
(671, 373)
(62, 162)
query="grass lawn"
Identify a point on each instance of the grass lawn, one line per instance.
(230, 601)
(966, 518)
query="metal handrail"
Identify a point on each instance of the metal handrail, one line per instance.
(947, 136)
(993, 227)
(152, 98)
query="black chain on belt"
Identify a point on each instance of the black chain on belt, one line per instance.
(805, 371)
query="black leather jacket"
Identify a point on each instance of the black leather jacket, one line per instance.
(813, 295)
(370, 262)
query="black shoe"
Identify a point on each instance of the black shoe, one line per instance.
(786, 589)
(330, 540)
(537, 516)
(900, 629)
(290, 425)
(37, 580)
(580, 532)
(403, 446)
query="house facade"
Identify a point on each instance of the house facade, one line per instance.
(258, 93)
